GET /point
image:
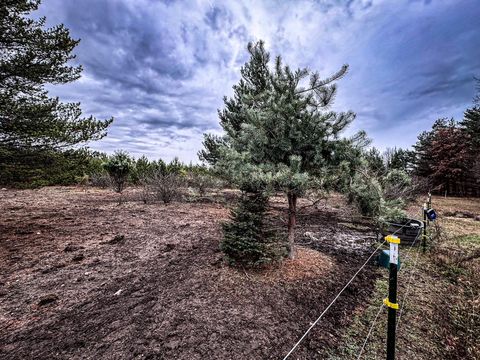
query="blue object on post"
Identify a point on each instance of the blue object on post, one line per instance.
(431, 214)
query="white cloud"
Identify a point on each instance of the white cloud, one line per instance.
(162, 68)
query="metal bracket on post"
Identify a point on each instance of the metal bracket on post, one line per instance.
(391, 301)
(387, 303)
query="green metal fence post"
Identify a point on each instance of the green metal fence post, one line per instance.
(391, 301)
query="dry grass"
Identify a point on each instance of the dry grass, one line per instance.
(454, 204)
(440, 317)
(455, 226)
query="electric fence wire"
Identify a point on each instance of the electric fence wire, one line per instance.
(370, 330)
(407, 256)
(407, 291)
(382, 306)
(410, 250)
(333, 301)
(340, 293)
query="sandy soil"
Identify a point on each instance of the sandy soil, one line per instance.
(85, 278)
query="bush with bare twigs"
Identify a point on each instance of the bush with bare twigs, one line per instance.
(101, 180)
(163, 186)
(203, 182)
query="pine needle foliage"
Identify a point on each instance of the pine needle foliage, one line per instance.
(32, 56)
(119, 166)
(31, 121)
(280, 133)
(247, 240)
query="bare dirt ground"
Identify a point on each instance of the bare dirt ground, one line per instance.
(82, 277)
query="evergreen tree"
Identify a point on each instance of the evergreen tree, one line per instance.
(142, 170)
(471, 120)
(399, 159)
(175, 167)
(241, 246)
(447, 155)
(119, 167)
(50, 167)
(31, 57)
(281, 136)
(375, 161)
(450, 158)
(348, 158)
(471, 125)
(423, 156)
(212, 144)
(247, 239)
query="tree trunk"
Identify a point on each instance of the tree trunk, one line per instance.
(292, 221)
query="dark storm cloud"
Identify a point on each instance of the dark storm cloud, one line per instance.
(412, 66)
(161, 68)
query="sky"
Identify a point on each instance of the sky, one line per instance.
(162, 68)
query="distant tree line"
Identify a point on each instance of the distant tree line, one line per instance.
(445, 159)
(447, 156)
(158, 180)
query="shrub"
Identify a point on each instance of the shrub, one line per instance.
(118, 167)
(397, 184)
(381, 199)
(247, 240)
(366, 193)
(391, 211)
(163, 187)
(101, 180)
(202, 182)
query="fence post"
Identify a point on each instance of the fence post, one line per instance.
(424, 237)
(391, 301)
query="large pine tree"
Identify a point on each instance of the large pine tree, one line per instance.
(247, 241)
(443, 156)
(282, 134)
(471, 125)
(32, 56)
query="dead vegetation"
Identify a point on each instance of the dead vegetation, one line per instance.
(163, 187)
